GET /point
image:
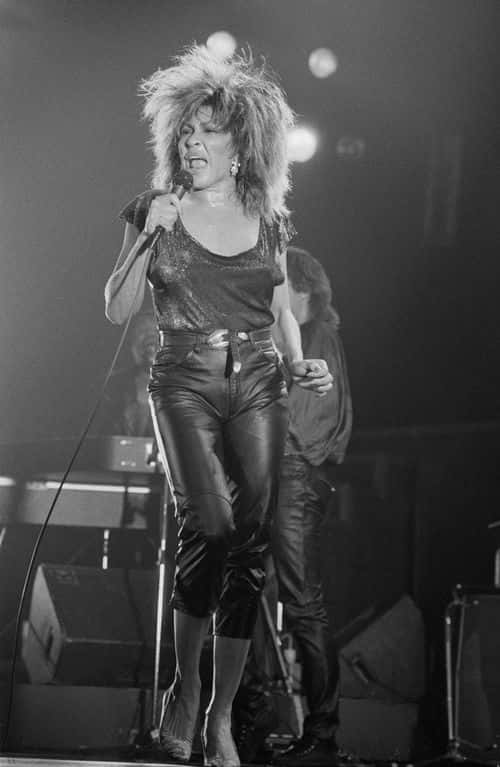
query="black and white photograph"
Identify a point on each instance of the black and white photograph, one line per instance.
(250, 383)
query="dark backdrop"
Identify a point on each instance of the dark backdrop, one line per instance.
(418, 300)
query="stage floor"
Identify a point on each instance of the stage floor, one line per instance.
(61, 761)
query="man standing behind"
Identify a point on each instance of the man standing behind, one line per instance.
(320, 428)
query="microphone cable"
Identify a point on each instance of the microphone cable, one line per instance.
(36, 547)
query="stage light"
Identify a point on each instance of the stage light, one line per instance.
(351, 148)
(323, 62)
(302, 143)
(222, 44)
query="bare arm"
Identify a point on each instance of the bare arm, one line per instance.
(309, 374)
(124, 290)
(286, 331)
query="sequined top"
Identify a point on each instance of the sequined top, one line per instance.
(196, 290)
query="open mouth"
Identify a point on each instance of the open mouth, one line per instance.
(195, 163)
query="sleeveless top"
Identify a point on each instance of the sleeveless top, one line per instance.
(199, 291)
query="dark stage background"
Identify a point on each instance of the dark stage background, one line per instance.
(414, 79)
(409, 234)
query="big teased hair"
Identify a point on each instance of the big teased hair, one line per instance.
(246, 100)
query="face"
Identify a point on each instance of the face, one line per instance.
(205, 150)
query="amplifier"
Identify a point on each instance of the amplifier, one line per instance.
(382, 654)
(473, 667)
(94, 627)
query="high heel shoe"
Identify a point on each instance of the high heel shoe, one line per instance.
(221, 752)
(174, 746)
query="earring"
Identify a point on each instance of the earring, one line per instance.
(235, 166)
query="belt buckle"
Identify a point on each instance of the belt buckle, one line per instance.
(218, 339)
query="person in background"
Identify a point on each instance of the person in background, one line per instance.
(125, 410)
(217, 272)
(317, 439)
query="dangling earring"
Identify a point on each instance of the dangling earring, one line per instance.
(235, 166)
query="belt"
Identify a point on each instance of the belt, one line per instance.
(218, 339)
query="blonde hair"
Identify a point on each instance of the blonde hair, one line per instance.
(246, 101)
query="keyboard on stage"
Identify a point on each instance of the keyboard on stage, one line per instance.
(113, 483)
(114, 453)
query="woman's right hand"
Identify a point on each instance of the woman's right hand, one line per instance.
(163, 212)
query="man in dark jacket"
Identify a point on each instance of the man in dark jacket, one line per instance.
(320, 428)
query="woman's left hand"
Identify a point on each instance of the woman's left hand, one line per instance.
(311, 374)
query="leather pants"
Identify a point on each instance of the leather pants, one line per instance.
(221, 434)
(296, 539)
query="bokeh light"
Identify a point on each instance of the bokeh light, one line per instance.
(323, 62)
(222, 44)
(350, 147)
(302, 143)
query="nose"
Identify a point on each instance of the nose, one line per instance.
(193, 139)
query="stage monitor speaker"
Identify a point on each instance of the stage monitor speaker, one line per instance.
(94, 627)
(476, 667)
(382, 679)
(382, 654)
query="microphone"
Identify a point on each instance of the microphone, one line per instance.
(182, 182)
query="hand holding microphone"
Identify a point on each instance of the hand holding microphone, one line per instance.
(165, 208)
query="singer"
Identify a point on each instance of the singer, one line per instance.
(217, 273)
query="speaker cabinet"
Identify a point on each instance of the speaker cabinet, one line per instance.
(382, 654)
(382, 679)
(94, 627)
(473, 666)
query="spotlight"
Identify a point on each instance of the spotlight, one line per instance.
(323, 62)
(222, 44)
(302, 144)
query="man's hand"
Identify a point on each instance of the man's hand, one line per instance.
(311, 374)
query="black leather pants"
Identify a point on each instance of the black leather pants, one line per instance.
(221, 434)
(296, 539)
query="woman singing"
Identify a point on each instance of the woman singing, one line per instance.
(218, 279)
